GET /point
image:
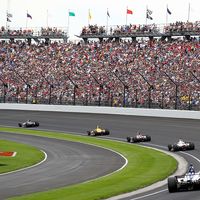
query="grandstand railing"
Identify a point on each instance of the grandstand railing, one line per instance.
(146, 30)
(40, 33)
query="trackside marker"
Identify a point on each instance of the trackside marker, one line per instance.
(8, 153)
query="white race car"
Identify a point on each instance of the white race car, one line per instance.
(139, 138)
(181, 146)
(28, 124)
(187, 182)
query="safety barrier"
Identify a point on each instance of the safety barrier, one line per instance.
(104, 110)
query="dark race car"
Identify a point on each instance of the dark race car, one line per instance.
(187, 182)
(181, 146)
(28, 124)
(98, 131)
(139, 138)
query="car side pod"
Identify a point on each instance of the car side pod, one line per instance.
(172, 184)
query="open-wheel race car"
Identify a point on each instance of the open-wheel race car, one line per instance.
(139, 138)
(187, 182)
(181, 146)
(28, 124)
(98, 131)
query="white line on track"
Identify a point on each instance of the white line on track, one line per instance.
(153, 193)
(190, 155)
(148, 195)
(18, 170)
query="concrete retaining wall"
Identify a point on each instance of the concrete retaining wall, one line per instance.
(104, 110)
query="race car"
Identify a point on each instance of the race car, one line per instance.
(181, 146)
(139, 138)
(189, 181)
(98, 131)
(28, 124)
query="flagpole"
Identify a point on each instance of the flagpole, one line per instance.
(88, 17)
(26, 19)
(126, 14)
(166, 15)
(188, 12)
(47, 18)
(6, 19)
(146, 13)
(107, 22)
(8, 7)
(68, 24)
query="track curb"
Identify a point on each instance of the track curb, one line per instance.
(181, 169)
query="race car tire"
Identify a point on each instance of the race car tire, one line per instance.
(170, 147)
(107, 132)
(19, 124)
(37, 123)
(134, 140)
(175, 148)
(191, 146)
(128, 139)
(172, 184)
(148, 138)
(89, 133)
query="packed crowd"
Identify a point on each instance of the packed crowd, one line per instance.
(116, 30)
(117, 72)
(183, 27)
(32, 32)
(142, 29)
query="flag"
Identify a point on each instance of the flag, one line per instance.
(108, 14)
(29, 16)
(9, 15)
(168, 11)
(149, 12)
(8, 20)
(129, 12)
(71, 14)
(89, 15)
(149, 17)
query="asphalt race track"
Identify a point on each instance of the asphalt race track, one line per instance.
(163, 131)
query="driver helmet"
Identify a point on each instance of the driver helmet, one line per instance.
(138, 133)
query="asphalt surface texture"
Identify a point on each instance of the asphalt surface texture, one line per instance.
(163, 131)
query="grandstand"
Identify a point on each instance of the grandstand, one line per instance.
(154, 73)
(186, 29)
(36, 34)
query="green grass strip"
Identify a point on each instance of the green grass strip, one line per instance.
(145, 166)
(26, 156)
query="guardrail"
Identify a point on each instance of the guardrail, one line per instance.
(104, 110)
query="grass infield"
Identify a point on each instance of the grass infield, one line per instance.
(25, 157)
(145, 166)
